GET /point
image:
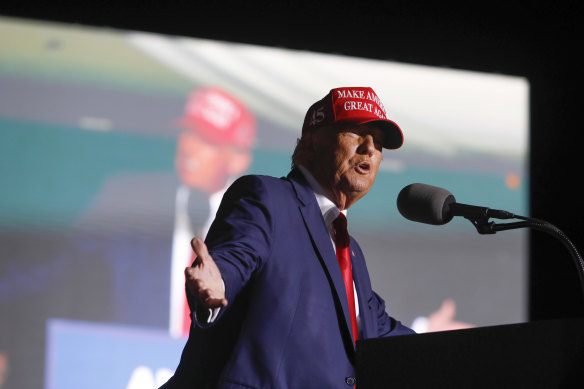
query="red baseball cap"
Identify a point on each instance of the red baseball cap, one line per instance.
(219, 118)
(356, 105)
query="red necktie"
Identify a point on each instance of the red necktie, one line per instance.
(341, 238)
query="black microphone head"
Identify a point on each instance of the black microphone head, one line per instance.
(425, 204)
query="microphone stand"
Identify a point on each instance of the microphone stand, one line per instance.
(479, 217)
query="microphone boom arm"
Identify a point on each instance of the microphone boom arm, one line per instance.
(479, 217)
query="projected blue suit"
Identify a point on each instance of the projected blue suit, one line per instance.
(287, 323)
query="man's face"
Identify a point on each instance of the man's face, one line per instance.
(346, 161)
(200, 164)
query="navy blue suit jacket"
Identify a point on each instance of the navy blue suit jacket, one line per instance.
(287, 322)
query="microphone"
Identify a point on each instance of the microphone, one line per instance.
(433, 205)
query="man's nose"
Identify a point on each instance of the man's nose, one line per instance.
(367, 145)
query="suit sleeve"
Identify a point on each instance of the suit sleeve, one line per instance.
(239, 240)
(386, 325)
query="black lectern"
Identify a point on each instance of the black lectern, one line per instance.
(542, 354)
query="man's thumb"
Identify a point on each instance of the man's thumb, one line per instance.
(448, 309)
(200, 249)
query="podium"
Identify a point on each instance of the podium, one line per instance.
(540, 354)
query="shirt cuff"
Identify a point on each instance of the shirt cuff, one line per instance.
(211, 313)
(420, 324)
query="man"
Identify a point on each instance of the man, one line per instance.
(279, 294)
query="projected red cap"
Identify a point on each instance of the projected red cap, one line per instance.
(356, 105)
(219, 118)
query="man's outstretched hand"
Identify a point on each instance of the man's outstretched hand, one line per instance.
(204, 278)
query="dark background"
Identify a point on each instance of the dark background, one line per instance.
(541, 42)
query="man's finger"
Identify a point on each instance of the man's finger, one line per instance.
(211, 302)
(190, 273)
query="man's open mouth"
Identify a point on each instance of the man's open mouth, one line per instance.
(363, 167)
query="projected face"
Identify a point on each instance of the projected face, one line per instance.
(207, 166)
(346, 161)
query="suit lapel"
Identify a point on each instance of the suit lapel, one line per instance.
(319, 234)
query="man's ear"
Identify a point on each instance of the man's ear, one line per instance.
(239, 161)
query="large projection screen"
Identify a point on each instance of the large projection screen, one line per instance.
(89, 122)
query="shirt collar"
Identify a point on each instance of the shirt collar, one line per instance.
(328, 209)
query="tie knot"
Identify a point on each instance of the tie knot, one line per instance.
(341, 235)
